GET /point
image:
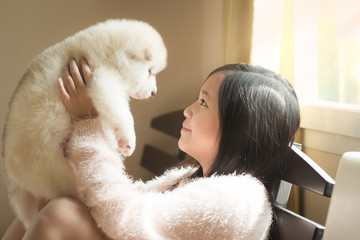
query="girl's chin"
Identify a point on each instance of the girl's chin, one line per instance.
(182, 144)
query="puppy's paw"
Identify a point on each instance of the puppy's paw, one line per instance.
(125, 149)
(126, 144)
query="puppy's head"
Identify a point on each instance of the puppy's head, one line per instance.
(141, 58)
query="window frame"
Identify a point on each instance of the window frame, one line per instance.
(330, 127)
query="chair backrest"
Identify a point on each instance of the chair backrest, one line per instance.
(343, 216)
(300, 170)
(305, 173)
(155, 159)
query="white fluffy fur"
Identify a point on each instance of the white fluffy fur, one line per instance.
(125, 56)
(220, 207)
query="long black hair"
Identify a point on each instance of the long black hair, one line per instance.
(259, 116)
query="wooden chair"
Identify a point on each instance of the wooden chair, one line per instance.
(156, 160)
(305, 173)
(300, 170)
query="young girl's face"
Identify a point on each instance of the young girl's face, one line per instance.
(200, 134)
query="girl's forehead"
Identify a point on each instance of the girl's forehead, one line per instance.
(212, 85)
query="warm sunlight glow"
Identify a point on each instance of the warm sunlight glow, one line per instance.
(325, 48)
(267, 33)
(306, 47)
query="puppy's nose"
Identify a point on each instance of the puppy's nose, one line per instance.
(153, 93)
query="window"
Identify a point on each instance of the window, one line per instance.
(316, 45)
(327, 69)
(327, 50)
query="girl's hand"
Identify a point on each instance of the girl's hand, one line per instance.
(73, 89)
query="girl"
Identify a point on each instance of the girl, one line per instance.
(238, 130)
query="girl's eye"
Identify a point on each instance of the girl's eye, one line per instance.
(202, 102)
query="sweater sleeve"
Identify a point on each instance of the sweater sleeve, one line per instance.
(220, 207)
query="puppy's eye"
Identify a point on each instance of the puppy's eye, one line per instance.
(149, 71)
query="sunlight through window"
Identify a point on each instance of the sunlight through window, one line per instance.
(326, 46)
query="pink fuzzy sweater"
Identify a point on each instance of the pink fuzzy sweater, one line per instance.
(218, 207)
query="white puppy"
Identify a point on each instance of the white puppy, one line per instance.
(125, 56)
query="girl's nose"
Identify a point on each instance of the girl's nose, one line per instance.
(187, 112)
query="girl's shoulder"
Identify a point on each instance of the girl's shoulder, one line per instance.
(238, 202)
(233, 182)
(229, 206)
(244, 186)
(169, 178)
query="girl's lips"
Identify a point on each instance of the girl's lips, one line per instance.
(185, 129)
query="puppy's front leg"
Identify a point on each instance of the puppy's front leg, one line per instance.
(109, 94)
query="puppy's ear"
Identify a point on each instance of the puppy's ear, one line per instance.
(144, 54)
(148, 54)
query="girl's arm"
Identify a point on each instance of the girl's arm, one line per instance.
(223, 207)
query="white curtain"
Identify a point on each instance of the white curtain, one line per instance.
(262, 32)
(273, 36)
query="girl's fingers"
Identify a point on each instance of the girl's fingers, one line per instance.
(69, 82)
(76, 75)
(64, 95)
(73, 92)
(86, 71)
